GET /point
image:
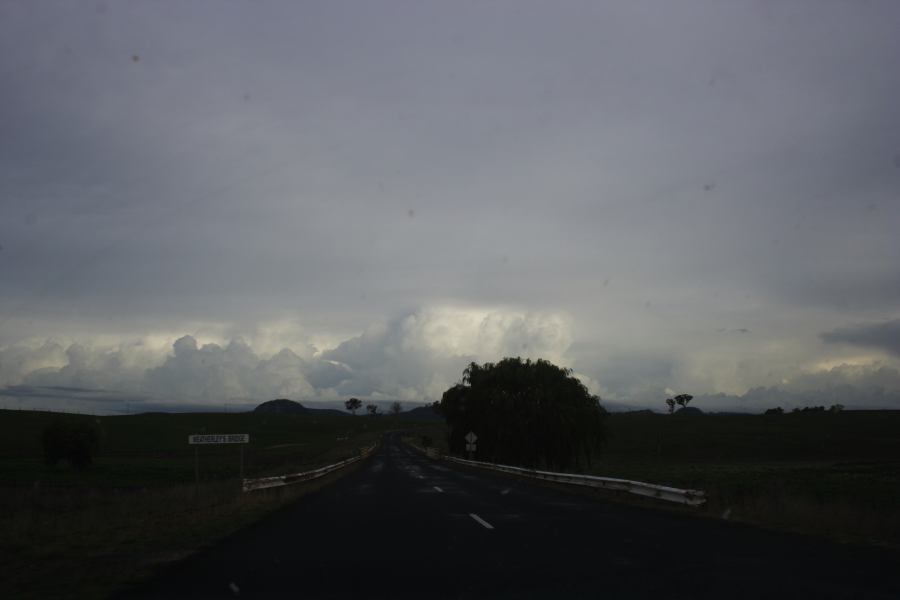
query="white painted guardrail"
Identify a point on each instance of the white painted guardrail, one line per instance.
(662, 492)
(261, 483)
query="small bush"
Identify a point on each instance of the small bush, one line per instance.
(73, 441)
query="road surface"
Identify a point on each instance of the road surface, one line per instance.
(402, 526)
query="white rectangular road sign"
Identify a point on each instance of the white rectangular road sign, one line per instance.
(219, 438)
(470, 447)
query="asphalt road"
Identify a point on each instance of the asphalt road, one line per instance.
(403, 526)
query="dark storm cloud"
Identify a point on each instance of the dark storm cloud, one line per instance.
(22, 397)
(68, 399)
(655, 171)
(882, 336)
(47, 392)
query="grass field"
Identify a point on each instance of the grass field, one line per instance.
(151, 449)
(138, 505)
(836, 475)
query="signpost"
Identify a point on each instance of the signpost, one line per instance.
(471, 438)
(216, 438)
(219, 438)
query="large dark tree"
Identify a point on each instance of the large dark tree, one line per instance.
(683, 399)
(352, 405)
(528, 413)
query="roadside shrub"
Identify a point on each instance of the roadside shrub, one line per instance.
(75, 442)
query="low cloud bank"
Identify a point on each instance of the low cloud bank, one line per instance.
(413, 359)
(873, 386)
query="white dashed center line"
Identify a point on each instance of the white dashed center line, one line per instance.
(438, 489)
(481, 521)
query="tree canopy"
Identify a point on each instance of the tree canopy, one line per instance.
(683, 399)
(523, 412)
(353, 405)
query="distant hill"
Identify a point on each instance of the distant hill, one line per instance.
(282, 406)
(327, 411)
(688, 411)
(421, 413)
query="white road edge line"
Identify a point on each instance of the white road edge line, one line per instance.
(481, 521)
(438, 489)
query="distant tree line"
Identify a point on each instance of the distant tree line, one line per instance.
(354, 404)
(834, 408)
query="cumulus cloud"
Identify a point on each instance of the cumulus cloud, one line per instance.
(19, 360)
(214, 373)
(419, 356)
(188, 373)
(882, 336)
(413, 358)
(870, 386)
(77, 365)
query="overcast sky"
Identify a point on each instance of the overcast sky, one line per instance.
(226, 202)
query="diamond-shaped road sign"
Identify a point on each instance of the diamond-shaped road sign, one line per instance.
(471, 437)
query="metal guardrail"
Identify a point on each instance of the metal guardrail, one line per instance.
(261, 483)
(662, 492)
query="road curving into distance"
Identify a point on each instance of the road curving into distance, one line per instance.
(404, 526)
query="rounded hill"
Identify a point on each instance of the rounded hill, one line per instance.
(282, 406)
